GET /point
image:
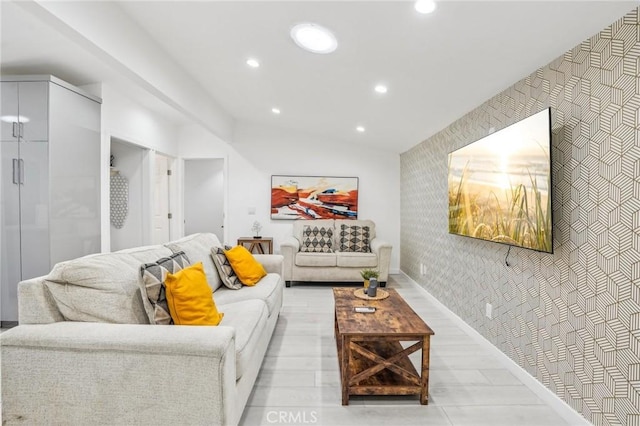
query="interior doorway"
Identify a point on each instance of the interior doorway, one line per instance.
(161, 200)
(204, 196)
(128, 184)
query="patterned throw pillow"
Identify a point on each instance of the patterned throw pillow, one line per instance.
(354, 238)
(153, 276)
(317, 240)
(226, 272)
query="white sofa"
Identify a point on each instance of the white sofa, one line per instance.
(61, 371)
(337, 265)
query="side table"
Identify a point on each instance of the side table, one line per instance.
(257, 244)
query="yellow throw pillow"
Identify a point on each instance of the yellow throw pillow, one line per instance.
(246, 267)
(189, 297)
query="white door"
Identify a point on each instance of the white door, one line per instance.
(161, 219)
(10, 266)
(204, 196)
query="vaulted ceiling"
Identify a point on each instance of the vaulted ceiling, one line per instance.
(190, 62)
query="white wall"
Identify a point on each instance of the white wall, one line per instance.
(204, 196)
(130, 161)
(124, 119)
(259, 152)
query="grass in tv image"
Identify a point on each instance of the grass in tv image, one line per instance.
(499, 186)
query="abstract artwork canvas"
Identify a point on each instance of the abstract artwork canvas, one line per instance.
(314, 197)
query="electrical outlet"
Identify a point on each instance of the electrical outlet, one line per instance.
(489, 310)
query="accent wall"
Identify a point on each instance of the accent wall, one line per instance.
(572, 318)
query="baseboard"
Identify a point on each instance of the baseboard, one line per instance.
(561, 407)
(8, 324)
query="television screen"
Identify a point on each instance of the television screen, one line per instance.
(500, 186)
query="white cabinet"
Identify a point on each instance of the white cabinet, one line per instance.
(24, 111)
(50, 168)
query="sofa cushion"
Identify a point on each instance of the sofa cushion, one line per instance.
(152, 284)
(98, 288)
(198, 249)
(246, 267)
(225, 271)
(189, 297)
(249, 319)
(355, 238)
(269, 290)
(147, 254)
(315, 259)
(317, 239)
(350, 259)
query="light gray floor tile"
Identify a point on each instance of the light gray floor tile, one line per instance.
(290, 378)
(458, 378)
(482, 395)
(503, 415)
(345, 416)
(299, 382)
(297, 397)
(300, 363)
(501, 377)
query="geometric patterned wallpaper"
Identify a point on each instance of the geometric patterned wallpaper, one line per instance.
(572, 318)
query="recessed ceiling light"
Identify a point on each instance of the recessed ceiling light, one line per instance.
(253, 63)
(275, 110)
(314, 38)
(425, 6)
(381, 88)
(360, 129)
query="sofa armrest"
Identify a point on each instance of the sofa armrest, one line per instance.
(382, 249)
(289, 247)
(273, 263)
(118, 373)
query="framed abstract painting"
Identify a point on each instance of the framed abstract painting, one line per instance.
(314, 197)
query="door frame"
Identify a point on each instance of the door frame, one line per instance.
(225, 191)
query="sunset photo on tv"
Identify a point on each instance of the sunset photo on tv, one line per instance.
(500, 186)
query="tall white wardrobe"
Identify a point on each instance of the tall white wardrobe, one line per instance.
(50, 189)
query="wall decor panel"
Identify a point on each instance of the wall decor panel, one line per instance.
(572, 318)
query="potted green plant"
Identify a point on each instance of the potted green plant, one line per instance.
(367, 274)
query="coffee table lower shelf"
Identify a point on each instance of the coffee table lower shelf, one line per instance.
(380, 367)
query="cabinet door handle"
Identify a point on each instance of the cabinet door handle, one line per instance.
(16, 171)
(21, 130)
(15, 129)
(21, 171)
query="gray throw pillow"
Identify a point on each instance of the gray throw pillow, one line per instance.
(152, 283)
(355, 238)
(317, 239)
(226, 272)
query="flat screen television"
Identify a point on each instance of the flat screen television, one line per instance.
(500, 186)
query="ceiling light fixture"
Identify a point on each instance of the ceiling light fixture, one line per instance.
(275, 110)
(253, 63)
(360, 129)
(381, 88)
(314, 38)
(425, 6)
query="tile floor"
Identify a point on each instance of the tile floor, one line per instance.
(469, 385)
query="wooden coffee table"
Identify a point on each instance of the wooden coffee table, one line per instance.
(371, 358)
